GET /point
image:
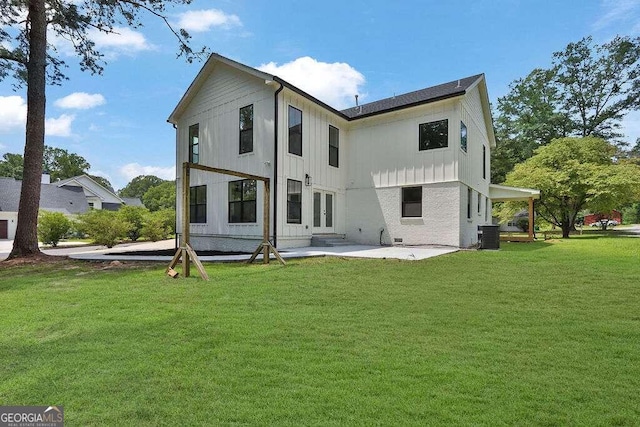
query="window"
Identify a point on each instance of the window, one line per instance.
(463, 136)
(486, 209)
(242, 201)
(434, 135)
(295, 131)
(469, 195)
(479, 203)
(484, 162)
(246, 129)
(412, 202)
(334, 144)
(294, 201)
(194, 143)
(91, 206)
(198, 204)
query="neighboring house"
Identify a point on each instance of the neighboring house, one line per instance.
(512, 224)
(412, 169)
(68, 199)
(596, 217)
(98, 196)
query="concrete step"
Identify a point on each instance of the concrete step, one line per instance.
(329, 240)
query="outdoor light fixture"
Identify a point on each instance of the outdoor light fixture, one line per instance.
(307, 179)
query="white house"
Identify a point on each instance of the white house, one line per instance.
(408, 170)
(98, 197)
(69, 200)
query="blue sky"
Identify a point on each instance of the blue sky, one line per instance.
(333, 49)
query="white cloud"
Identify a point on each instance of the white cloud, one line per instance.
(618, 12)
(13, 112)
(60, 126)
(122, 40)
(132, 170)
(81, 101)
(335, 83)
(199, 21)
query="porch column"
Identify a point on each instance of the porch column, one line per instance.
(531, 219)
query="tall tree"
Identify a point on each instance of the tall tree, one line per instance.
(586, 92)
(62, 165)
(575, 174)
(57, 162)
(161, 196)
(139, 185)
(11, 166)
(26, 56)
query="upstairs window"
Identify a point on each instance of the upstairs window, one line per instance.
(463, 137)
(242, 201)
(412, 202)
(434, 135)
(246, 129)
(294, 201)
(484, 162)
(334, 146)
(194, 143)
(198, 204)
(295, 131)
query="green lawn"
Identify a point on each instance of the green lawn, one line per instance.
(546, 333)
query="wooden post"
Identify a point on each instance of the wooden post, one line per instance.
(531, 218)
(265, 223)
(186, 190)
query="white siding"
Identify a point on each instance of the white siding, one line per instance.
(383, 150)
(314, 162)
(216, 108)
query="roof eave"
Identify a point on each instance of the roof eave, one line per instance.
(406, 106)
(504, 193)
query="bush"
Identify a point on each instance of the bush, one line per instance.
(134, 215)
(104, 227)
(155, 227)
(169, 219)
(52, 227)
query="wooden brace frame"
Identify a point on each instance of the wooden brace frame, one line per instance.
(186, 252)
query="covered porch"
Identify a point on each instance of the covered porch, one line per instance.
(502, 193)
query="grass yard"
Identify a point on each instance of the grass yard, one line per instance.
(546, 333)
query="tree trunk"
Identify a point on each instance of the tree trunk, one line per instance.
(566, 229)
(26, 240)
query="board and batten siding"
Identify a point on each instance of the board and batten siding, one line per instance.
(384, 156)
(383, 150)
(216, 108)
(470, 169)
(313, 162)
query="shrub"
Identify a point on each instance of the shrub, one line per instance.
(134, 215)
(155, 227)
(169, 219)
(104, 227)
(52, 227)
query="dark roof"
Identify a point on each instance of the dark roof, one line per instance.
(52, 198)
(411, 99)
(132, 201)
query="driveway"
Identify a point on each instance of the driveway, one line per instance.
(102, 253)
(74, 248)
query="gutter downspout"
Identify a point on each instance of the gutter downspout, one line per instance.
(275, 164)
